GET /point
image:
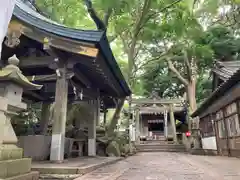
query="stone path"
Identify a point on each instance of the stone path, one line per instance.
(169, 166)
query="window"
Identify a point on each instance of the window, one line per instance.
(206, 126)
(221, 129)
(230, 109)
(232, 120)
(233, 125)
(219, 115)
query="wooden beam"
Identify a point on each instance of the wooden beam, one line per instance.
(35, 62)
(66, 44)
(87, 91)
(35, 95)
(48, 61)
(51, 77)
(155, 101)
(149, 110)
(107, 74)
(79, 75)
(50, 87)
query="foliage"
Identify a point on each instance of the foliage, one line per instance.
(165, 45)
(27, 121)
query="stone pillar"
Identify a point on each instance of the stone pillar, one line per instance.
(92, 131)
(166, 124)
(59, 115)
(172, 120)
(45, 115)
(137, 126)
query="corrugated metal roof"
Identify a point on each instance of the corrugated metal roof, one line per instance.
(218, 93)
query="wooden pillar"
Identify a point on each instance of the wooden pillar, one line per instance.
(59, 115)
(105, 116)
(97, 106)
(172, 120)
(92, 129)
(137, 126)
(45, 115)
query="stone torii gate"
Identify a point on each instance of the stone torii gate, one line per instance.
(156, 105)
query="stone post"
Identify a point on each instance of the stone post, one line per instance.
(12, 83)
(172, 120)
(166, 124)
(137, 126)
(92, 131)
(60, 114)
(195, 133)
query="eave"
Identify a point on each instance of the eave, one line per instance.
(73, 41)
(218, 93)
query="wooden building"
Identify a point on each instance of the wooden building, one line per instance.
(219, 114)
(71, 64)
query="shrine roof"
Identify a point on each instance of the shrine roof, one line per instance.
(29, 15)
(95, 39)
(218, 93)
(224, 70)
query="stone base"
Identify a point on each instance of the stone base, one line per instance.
(8, 152)
(29, 176)
(12, 165)
(204, 152)
(15, 167)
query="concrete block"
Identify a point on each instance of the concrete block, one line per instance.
(10, 168)
(8, 152)
(28, 176)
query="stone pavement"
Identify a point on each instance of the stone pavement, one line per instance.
(169, 166)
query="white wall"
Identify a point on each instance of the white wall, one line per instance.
(209, 143)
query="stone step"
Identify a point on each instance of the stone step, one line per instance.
(11, 168)
(59, 176)
(166, 146)
(155, 147)
(8, 152)
(161, 150)
(28, 176)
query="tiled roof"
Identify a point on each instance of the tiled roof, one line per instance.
(28, 15)
(224, 70)
(219, 92)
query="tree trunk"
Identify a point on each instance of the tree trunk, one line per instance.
(115, 118)
(191, 93)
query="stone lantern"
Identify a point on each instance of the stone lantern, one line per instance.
(12, 85)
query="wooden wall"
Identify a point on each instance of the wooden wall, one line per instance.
(225, 125)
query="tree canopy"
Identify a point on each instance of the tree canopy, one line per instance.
(165, 45)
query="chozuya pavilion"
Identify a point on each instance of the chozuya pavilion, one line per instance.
(69, 64)
(156, 118)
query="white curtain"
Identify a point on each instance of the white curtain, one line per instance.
(6, 10)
